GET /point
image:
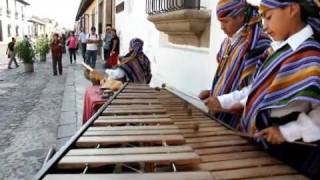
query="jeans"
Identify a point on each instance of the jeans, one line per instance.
(91, 58)
(12, 59)
(72, 52)
(83, 50)
(106, 54)
(57, 61)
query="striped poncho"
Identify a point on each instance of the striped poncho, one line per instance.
(237, 60)
(137, 66)
(286, 76)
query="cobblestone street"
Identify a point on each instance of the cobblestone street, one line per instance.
(37, 111)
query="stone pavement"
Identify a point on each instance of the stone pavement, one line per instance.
(37, 111)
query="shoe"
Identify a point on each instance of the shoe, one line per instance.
(9, 67)
(17, 66)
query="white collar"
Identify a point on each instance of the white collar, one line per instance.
(295, 40)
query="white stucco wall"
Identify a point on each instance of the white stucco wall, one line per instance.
(22, 24)
(184, 68)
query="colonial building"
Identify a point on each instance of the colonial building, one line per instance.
(182, 37)
(13, 19)
(36, 26)
(42, 26)
(96, 13)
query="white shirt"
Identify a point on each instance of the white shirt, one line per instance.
(307, 125)
(115, 74)
(83, 37)
(92, 46)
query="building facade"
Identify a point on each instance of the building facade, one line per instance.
(98, 13)
(181, 37)
(13, 19)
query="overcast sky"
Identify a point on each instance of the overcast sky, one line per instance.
(63, 11)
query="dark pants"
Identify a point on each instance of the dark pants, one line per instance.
(12, 59)
(57, 61)
(106, 54)
(83, 50)
(91, 58)
(72, 52)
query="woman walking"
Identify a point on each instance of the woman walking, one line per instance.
(72, 43)
(56, 50)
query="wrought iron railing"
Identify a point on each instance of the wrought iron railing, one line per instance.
(162, 6)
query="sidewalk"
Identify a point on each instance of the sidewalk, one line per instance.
(72, 105)
(37, 111)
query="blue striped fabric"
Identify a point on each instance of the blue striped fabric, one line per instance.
(279, 82)
(237, 61)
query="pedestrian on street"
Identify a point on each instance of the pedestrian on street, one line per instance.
(93, 40)
(72, 44)
(107, 40)
(11, 53)
(114, 54)
(56, 50)
(63, 41)
(83, 41)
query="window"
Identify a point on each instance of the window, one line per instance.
(1, 36)
(9, 30)
(22, 13)
(7, 3)
(93, 16)
(17, 31)
(120, 7)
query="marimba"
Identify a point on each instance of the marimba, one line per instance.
(142, 133)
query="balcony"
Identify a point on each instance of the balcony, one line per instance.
(8, 13)
(182, 20)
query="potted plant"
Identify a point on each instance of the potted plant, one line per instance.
(42, 48)
(26, 53)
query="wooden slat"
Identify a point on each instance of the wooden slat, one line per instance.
(219, 144)
(213, 138)
(228, 149)
(137, 96)
(130, 128)
(79, 162)
(139, 91)
(107, 140)
(132, 132)
(221, 132)
(203, 130)
(135, 101)
(134, 111)
(141, 116)
(233, 156)
(191, 126)
(163, 121)
(131, 150)
(149, 176)
(255, 172)
(137, 88)
(240, 163)
(155, 106)
(285, 177)
(195, 121)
